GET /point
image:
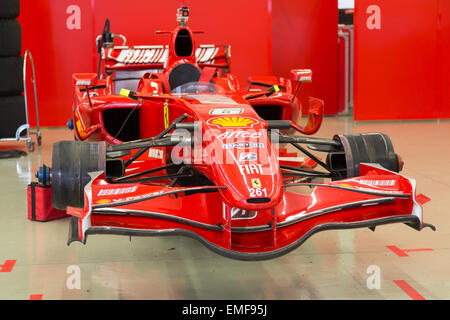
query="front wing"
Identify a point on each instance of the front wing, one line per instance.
(375, 198)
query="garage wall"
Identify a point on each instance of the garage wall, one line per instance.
(401, 67)
(62, 45)
(443, 58)
(58, 53)
(242, 24)
(304, 35)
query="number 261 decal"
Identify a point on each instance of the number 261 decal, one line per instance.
(258, 192)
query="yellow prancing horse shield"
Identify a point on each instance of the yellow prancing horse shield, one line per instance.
(166, 114)
(256, 183)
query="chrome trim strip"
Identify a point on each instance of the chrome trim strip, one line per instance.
(374, 193)
(159, 215)
(335, 208)
(123, 203)
(193, 223)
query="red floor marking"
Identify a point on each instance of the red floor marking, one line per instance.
(413, 250)
(403, 252)
(410, 291)
(397, 251)
(422, 199)
(35, 297)
(7, 266)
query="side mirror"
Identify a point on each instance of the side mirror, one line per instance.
(315, 108)
(85, 79)
(301, 75)
(315, 117)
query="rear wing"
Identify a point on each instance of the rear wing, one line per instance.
(155, 57)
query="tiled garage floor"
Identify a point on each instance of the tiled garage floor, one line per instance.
(330, 265)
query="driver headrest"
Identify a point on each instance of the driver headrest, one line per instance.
(182, 74)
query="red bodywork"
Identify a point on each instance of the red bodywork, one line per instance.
(253, 212)
(151, 66)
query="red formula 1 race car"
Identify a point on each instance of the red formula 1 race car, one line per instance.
(189, 153)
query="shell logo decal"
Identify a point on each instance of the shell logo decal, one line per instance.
(233, 122)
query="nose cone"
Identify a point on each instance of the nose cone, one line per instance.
(245, 162)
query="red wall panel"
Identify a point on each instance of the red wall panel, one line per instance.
(443, 58)
(58, 53)
(397, 66)
(243, 25)
(304, 35)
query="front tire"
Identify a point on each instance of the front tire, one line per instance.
(373, 148)
(71, 163)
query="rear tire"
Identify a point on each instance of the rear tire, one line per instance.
(12, 110)
(10, 38)
(71, 163)
(11, 80)
(9, 9)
